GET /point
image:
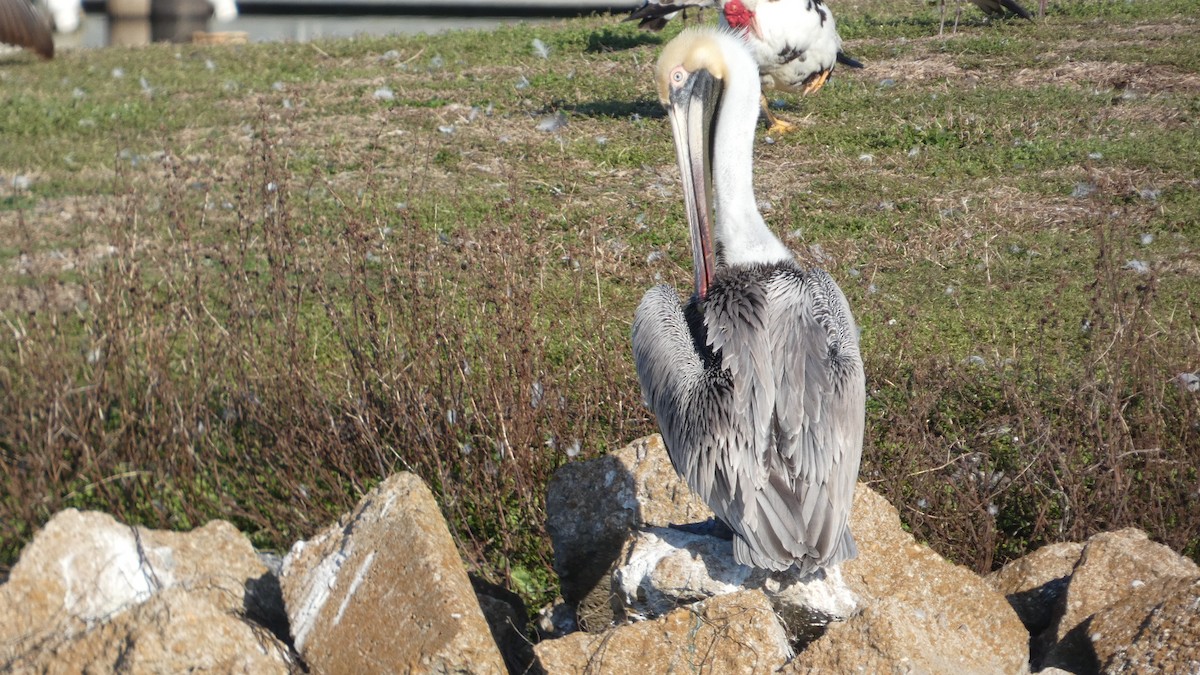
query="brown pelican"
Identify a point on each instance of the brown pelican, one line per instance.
(794, 42)
(22, 25)
(757, 381)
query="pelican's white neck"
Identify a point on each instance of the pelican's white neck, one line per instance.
(740, 231)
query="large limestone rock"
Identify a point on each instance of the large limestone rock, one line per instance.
(1033, 584)
(905, 607)
(1111, 566)
(919, 614)
(90, 594)
(734, 633)
(1154, 629)
(384, 590)
(663, 568)
(593, 506)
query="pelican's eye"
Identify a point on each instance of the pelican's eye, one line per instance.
(678, 75)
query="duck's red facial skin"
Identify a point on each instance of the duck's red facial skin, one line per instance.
(738, 16)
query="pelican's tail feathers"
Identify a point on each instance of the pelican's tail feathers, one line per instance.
(745, 555)
(846, 549)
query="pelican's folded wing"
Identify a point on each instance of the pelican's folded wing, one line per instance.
(820, 398)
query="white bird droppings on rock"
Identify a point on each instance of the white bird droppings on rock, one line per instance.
(114, 576)
(363, 568)
(323, 577)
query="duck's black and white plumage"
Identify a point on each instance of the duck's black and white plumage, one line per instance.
(794, 42)
(22, 25)
(756, 381)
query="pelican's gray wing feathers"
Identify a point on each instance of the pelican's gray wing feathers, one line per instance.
(760, 402)
(820, 405)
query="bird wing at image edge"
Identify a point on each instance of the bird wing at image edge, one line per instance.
(653, 15)
(22, 25)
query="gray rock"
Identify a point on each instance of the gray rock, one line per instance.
(902, 604)
(1111, 566)
(662, 569)
(90, 594)
(1033, 584)
(384, 590)
(592, 507)
(734, 633)
(1154, 629)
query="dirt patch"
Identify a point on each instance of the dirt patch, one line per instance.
(920, 68)
(57, 296)
(1109, 75)
(56, 222)
(58, 261)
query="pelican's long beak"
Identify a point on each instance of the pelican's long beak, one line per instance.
(693, 113)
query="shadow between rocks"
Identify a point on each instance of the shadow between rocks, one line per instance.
(263, 604)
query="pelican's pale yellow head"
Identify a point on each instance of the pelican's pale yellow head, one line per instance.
(691, 75)
(692, 50)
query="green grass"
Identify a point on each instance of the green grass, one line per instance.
(311, 286)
